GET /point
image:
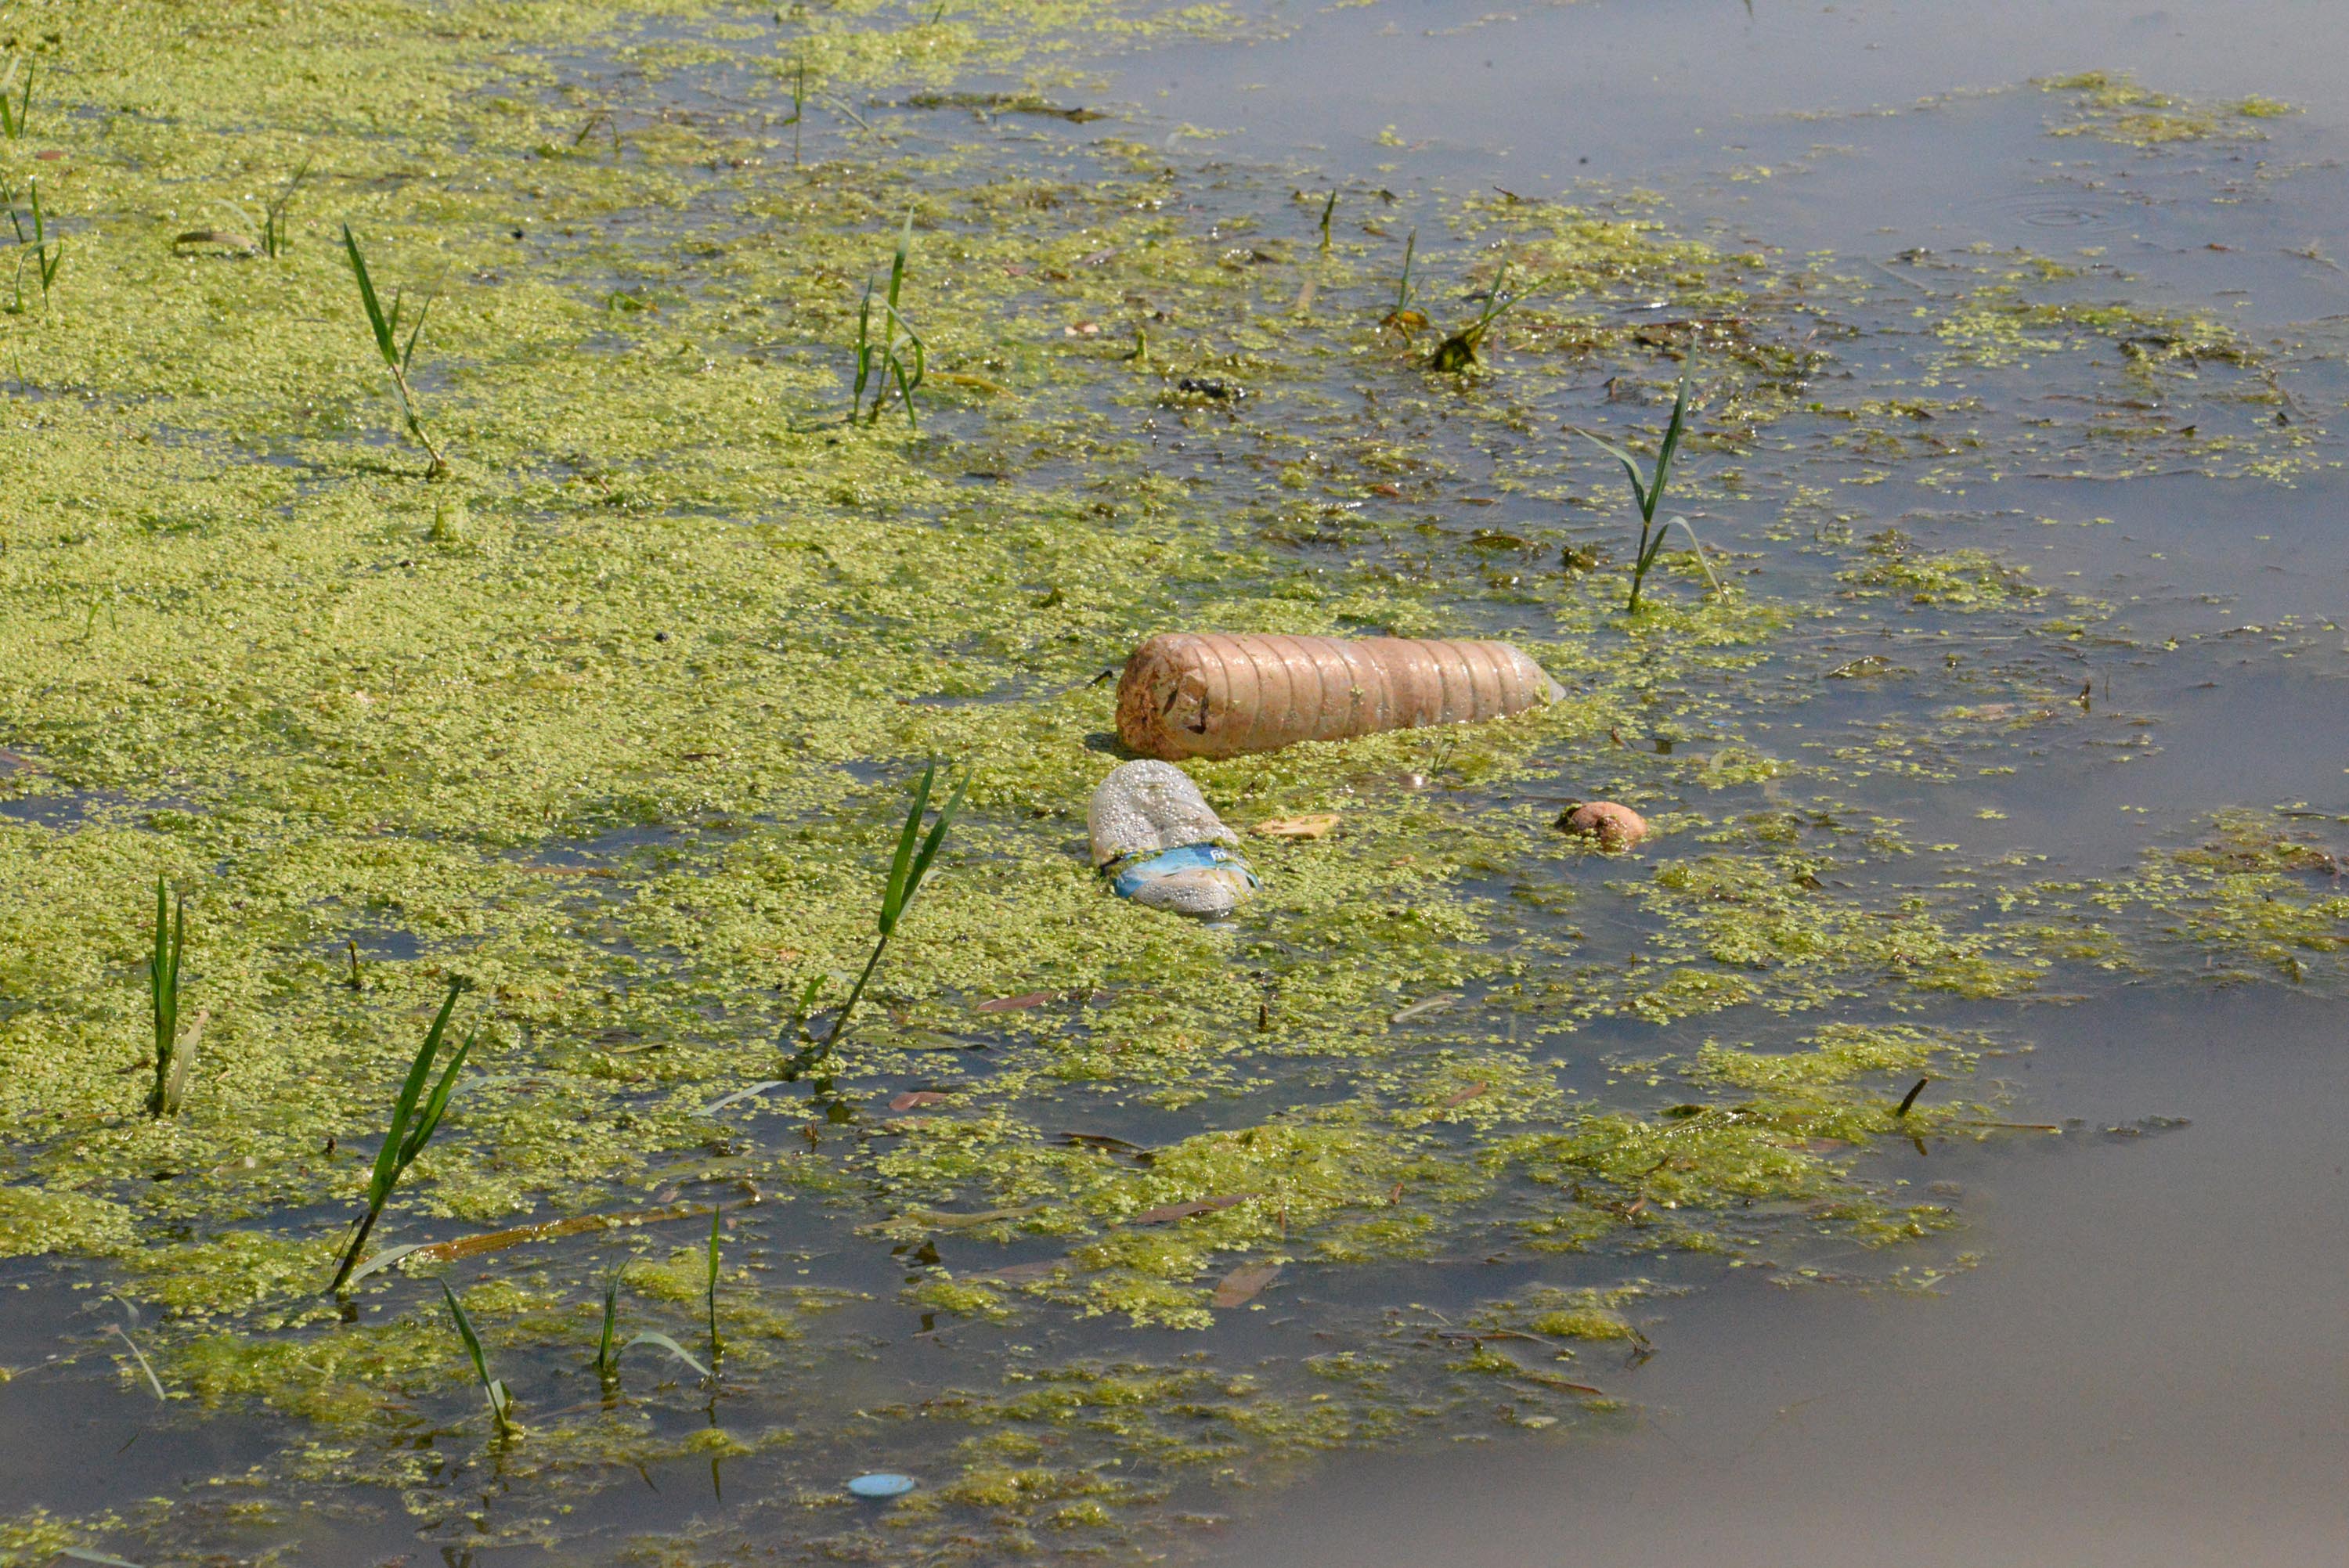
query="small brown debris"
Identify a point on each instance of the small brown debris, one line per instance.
(1614, 826)
(914, 1099)
(1312, 825)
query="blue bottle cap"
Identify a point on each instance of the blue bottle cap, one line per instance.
(882, 1483)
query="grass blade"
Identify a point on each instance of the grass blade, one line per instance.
(428, 1121)
(665, 1343)
(929, 851)
(377, 321)
(409, 354)
(901, 865)
(608, 1360)
(501, 1397)
(408, 1132)
(1698, 545)
(717, 1348)
(384, 1258)
(389, 1158)
(140, 1356)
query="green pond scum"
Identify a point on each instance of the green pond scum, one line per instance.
(597, 710)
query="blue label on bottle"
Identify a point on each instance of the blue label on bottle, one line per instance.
(1190, 857)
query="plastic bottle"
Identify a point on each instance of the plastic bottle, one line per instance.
(1191, 694)
(1161, 844)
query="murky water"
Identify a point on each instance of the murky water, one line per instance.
(1996, 329)
(2147, 1363)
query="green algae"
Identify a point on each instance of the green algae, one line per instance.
(612, 724)
(2118, 109)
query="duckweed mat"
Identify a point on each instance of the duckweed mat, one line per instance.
(1097, 1220)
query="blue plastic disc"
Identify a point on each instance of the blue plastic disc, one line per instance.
(882, 1483)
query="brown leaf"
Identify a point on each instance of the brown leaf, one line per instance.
(1020, 1273)
(1017, 1004)
(1466, 1095)
(1173, 1212)
(1393, 492)
(1313, 825)
(1242, 1285)
(914, 1099)
(1083, 329)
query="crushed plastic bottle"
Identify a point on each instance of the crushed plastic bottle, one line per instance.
(1161, 844)
(1186, 695)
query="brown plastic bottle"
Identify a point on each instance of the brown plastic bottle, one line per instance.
(1191, 694)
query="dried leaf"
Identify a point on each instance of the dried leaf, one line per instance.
(547, 1231)
(1083, 329)
(914, 1099)
(1104, 1141)
(1242, 1285)
(1313, 825)
(1020, 1273)
(1466, 1095)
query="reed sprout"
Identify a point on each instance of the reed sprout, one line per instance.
(608, 1351)
(46, 257)
(15, 116)
(878, 362)
(716, 1346)
(501, 1397)
(1459, 351)
(799, 106)
(273, 235)
(396, 356)
(908, 867)
(1403, 318)
(175, 1049)
(1328, 208)
(414, 1118)
(1648, 492)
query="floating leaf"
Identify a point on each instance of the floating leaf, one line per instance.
(1021, 1003)
(913, 1100)
(1104, 1140)
(1170, 1213)
(1244, 1283)
(1466, 1095)
(1421, 1009)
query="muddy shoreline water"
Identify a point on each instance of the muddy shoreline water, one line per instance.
(1993, 726)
